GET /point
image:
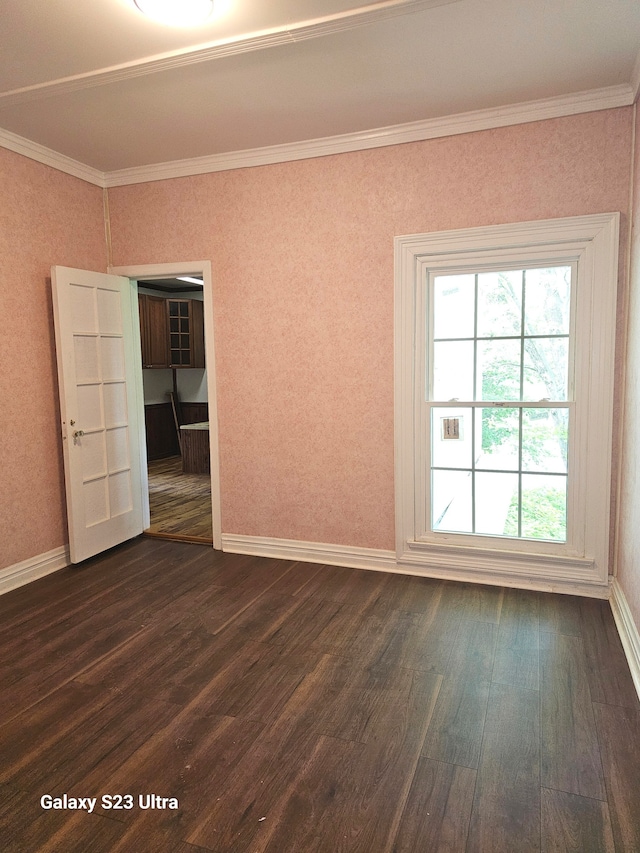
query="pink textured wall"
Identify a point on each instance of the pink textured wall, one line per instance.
(302, 258)
(629, 523)
(46, 217)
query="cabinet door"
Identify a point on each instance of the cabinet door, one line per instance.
(153, 331)
(197, 333)
(186, 333)
(179, 316)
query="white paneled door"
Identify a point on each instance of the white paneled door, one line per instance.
(95, 332)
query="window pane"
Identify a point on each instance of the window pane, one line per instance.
(494, 496)
(451, 501)
(544, 507)
(498, 371)
(499, 303)
(544, 440)
(451, 438)
(453, 370)
(547, 301)
(497, 434)
(546, 369)
(454, 298)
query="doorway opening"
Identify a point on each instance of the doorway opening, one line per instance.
(177, 401)
(176, 408)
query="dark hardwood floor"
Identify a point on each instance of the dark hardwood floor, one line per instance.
(298, 708)
(179, 504)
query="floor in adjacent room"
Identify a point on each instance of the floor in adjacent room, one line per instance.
(179, 504)
(290, 708)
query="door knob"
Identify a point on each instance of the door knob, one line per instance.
(78, 434)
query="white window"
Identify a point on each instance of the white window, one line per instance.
(504, 381)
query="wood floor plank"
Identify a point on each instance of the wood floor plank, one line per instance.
(234, 606)
(408, 593)
(610, 680)
(36, 831)
(189, 759)
(570, 753)
(436, 817)
(63, 592)
(295, 581)
(353, 586)
(251, 574)
(456, 730)
(560, 614)
(517, 654)
(619, 736)
(307, 621)
(422, 641)
(105, 732)
(573, 824)
(350, 798)
(37, 685)
(506, 807)
(175, 651)
(259, 684)
(257, 786)
(482, 603)
(357, 702)
(365, 634)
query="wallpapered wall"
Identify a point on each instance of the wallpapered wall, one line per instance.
(302, 259)
(628, 537)
(46, 217)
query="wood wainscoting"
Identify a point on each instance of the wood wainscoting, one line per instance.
(162, 440)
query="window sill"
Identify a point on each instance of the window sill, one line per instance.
(498, 563)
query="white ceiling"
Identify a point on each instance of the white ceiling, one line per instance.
(100, 84)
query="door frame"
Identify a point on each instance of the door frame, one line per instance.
(192, 268)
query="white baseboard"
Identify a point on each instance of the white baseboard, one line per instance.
(310, 552)
(385, 561)
(33, 568)
(628, 631)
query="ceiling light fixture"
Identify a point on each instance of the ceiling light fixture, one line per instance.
(177, 13)
(189, 278)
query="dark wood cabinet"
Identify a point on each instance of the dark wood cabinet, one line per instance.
(186, 332)
(154, 334)
(171, 332)
(162, 440)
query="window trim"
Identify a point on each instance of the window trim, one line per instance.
(593, 242)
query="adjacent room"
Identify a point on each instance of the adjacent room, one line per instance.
(176, 410)
(320, 417)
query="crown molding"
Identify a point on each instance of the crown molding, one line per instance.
(41, 154)
(210, 51)
(555, 107)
